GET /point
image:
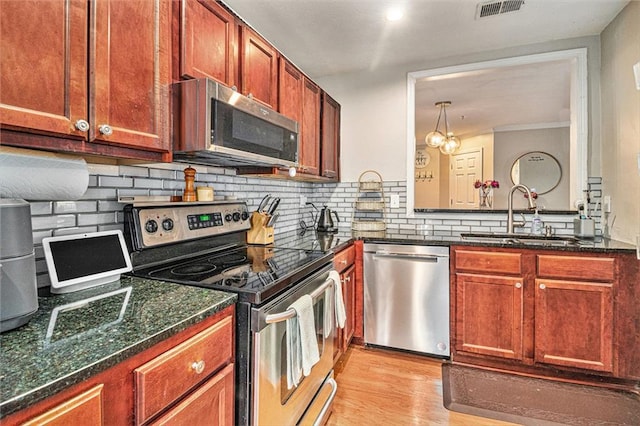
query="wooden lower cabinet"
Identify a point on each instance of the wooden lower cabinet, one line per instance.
(187, 379)
(210, 405)
(344, 263)
(574, 324)
(86, 409)
(538, 315)
(495, 306)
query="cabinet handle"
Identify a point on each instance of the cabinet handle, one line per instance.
(348, 279)
(542, 286)
(518, 285)
(198, 366)
(82, 125)
(105, 129)
(343, 261)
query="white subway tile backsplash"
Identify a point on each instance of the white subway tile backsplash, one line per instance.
(40, 223)
(96, 219)
(115, 181)
(75, 230)
(103, 169)
(60, 207)
(41, 207)
(134, 171)
(147, 183)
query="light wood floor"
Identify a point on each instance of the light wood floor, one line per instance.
(383, 387)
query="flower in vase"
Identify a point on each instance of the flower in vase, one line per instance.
(486, 184)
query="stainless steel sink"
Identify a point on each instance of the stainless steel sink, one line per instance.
(524, 239)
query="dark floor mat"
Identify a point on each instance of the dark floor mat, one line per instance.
(532, 401)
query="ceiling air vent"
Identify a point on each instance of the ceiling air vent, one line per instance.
(495, 8)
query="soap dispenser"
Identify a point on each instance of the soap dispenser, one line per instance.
(536, 224)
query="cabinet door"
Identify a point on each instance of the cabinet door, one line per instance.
(489, 315)
(349, 295)
(309, 157)
(574, 324)
(130, 58)
(330, 137)
(259, 68)
(208, 46)
(43, 65)
(212, 404)
(84, 409)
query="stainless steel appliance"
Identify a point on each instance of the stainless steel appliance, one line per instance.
(203, 244)
(217, 125)
(406, 297)
(18, 287)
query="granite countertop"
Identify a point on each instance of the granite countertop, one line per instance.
(312, 240)
(77, 335)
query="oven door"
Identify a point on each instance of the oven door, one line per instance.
(273, 403)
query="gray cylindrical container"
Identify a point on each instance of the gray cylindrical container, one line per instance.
(18, 287)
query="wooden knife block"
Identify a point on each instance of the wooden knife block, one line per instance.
(260, 233)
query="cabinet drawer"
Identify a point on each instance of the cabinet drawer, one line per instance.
(344, 258)
(485, 261)
(166, 378)
(575, 267)
(85, 408)
(211, 403)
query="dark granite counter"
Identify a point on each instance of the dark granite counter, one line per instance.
(77, 335)
(312, 240)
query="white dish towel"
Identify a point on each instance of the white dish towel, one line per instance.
(341, 315)
(302, 346)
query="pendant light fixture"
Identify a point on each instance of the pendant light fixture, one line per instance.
(447, 142)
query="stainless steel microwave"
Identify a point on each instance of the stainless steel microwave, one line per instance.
(216, 125)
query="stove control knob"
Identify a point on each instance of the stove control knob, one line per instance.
(167, 224)
(245, 215)
(236, 217)
(228, 217)
(151, 226)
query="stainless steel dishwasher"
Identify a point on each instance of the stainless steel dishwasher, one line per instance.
(406, 297)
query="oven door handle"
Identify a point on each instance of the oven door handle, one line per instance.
(290, 313)
(323, 412)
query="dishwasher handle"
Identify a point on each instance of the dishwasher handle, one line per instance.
(411, 256)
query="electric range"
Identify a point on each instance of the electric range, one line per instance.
(204, 245)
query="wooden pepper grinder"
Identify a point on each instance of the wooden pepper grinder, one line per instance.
(189, 189)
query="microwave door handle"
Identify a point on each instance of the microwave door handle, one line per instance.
(290, 313)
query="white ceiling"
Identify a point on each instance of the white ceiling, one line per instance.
(327, 37)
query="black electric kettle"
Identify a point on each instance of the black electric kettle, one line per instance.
(325, 222)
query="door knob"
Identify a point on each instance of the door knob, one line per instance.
(105, 129)
(82, 125)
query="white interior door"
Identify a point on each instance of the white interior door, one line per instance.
(465, 169)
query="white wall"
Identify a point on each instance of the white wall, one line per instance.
(621, 123)
(374, 112)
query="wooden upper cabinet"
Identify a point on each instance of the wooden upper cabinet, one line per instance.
(43, 65)
(208, 45)
(130, 58)
(89, 71)
(290, 90)
(258, 68)
(330, 131)
(309, 153)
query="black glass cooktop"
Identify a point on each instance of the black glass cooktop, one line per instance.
(256, 273)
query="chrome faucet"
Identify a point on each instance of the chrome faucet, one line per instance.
(532, 205)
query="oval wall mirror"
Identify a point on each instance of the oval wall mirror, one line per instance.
(537, 170)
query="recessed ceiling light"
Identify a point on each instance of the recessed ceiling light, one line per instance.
(394, 14)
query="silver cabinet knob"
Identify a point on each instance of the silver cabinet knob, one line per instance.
(198, 366)
(105, 129)
(542, 286)
(518, 285)
(82, 125)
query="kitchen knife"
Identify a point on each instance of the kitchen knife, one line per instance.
(273, 206)
(272, 220)
(263, 203)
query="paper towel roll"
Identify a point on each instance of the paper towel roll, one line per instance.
(38, 175)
